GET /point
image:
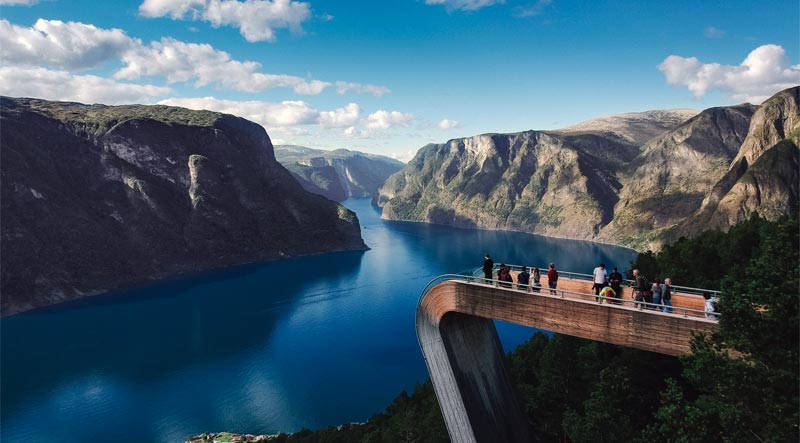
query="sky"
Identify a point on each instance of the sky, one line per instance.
(390, 76)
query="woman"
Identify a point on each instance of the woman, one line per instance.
(536, 278)
(656, 290)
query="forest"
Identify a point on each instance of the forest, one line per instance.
(738, 385)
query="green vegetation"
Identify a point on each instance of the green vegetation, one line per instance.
(583, 391)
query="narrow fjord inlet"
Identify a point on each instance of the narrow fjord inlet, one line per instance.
(307, 342)
(399, 221)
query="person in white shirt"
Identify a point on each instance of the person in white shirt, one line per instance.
(711, 306)
(600, 277)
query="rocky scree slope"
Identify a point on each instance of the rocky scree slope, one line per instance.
(338, 174)
(603, 186)
(100, 197)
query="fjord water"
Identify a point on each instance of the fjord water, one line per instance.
(265, 348)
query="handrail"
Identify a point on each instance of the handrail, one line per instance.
(611, 302)
(580, 276)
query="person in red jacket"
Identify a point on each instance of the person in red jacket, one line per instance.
(552, 278)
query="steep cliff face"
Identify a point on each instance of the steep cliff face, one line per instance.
(558, 185)
(668, 180)
(98, 197)
(338, 174)
(763, 177)
(594, 180)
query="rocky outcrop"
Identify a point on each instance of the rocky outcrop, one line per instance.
(763, 177)
(668, 180)
(595, 181)
(338, 174)
(98, 197)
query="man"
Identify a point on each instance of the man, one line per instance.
(552, 278)
(523, 279)
(488, 267)
(640, 287)
(600, 276)
(615, 280)
(666, 295)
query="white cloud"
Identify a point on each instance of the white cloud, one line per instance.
(72, 46)
(179, 61)
(352, 132)
(18, 2)
(712, 32)
(385, 119)
(61, 85)
(532, 10)
(448, 124)
(347, 116)
(465, 5)
(345, 87)
(267, 114)
(764, 72)
(256, 20)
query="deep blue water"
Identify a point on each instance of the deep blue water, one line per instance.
(307, 342)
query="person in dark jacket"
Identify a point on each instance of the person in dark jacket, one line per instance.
(615, 281)
(666, 295)
(523, 279)
(488, 267)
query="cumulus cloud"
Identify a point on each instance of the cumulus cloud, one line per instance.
(179, 61)
(63, 86)
(764, 72)
(384, 119)
(465, 5)
(256, 20)
(340, 118)
(72, 46)
(448, 124)
(352, 132)
(268, 114)
(345, 87)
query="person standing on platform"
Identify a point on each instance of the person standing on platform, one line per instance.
(488, 267)
(656, 290)
(523, 279)
(615, 281)
(552, 278)
(599, 277)
(536, 278)
(666, 295)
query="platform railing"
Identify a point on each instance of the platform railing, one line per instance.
(544, 291)
(625, 283)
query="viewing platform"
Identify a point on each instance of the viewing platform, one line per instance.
(466, 361)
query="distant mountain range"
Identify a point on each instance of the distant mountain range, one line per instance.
(338, 174)
(99, 197)
(637, 179)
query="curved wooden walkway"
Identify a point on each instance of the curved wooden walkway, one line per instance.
(466, 361)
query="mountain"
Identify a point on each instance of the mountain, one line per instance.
(599, 181)
(100, 197)
(634, 127)
(671, 176)
(338, 174)
(763, 177)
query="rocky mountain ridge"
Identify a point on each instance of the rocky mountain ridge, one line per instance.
(592, 183)
(338, 174)
(99, 197)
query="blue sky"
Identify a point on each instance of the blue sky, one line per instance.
(389, 76)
